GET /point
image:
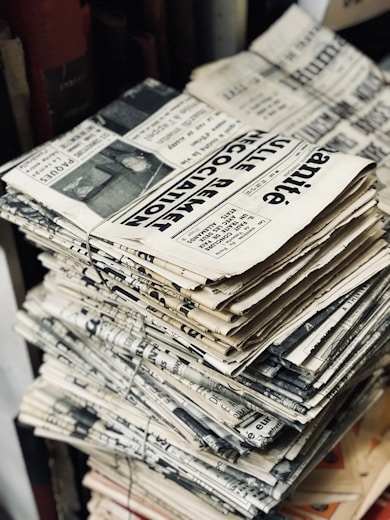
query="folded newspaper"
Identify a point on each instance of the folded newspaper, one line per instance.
(305, 81)
(214, 314)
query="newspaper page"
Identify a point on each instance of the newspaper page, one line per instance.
(265, 95)
(346, 80)
(268, 97)
(125, 149)
(320, 60)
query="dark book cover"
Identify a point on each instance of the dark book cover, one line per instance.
(125, 46)
(9, 144)
(183, 40)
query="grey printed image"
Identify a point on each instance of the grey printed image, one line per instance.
(113, 178)
(134, 106)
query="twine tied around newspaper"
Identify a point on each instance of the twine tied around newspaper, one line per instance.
(144, 441)
(137, 362)
(89, 248)
(104, 221)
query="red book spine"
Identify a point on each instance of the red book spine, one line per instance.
(380, 510)
(55, 36)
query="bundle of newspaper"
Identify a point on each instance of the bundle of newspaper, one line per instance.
(304, 80)
(215, 304)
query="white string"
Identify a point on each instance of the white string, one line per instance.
(142, 329)
(138, 362)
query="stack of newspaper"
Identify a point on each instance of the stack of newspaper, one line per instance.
(343, 485)
(214, 314)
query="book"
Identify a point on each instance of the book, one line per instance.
(55, 38)
(110, 45)
(183, 40)
(125, 48)
(156, 21)
(17, 88)
(9, 140)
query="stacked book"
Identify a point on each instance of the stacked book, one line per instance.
(214, 313)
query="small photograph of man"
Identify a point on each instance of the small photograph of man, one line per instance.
(113, 178)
